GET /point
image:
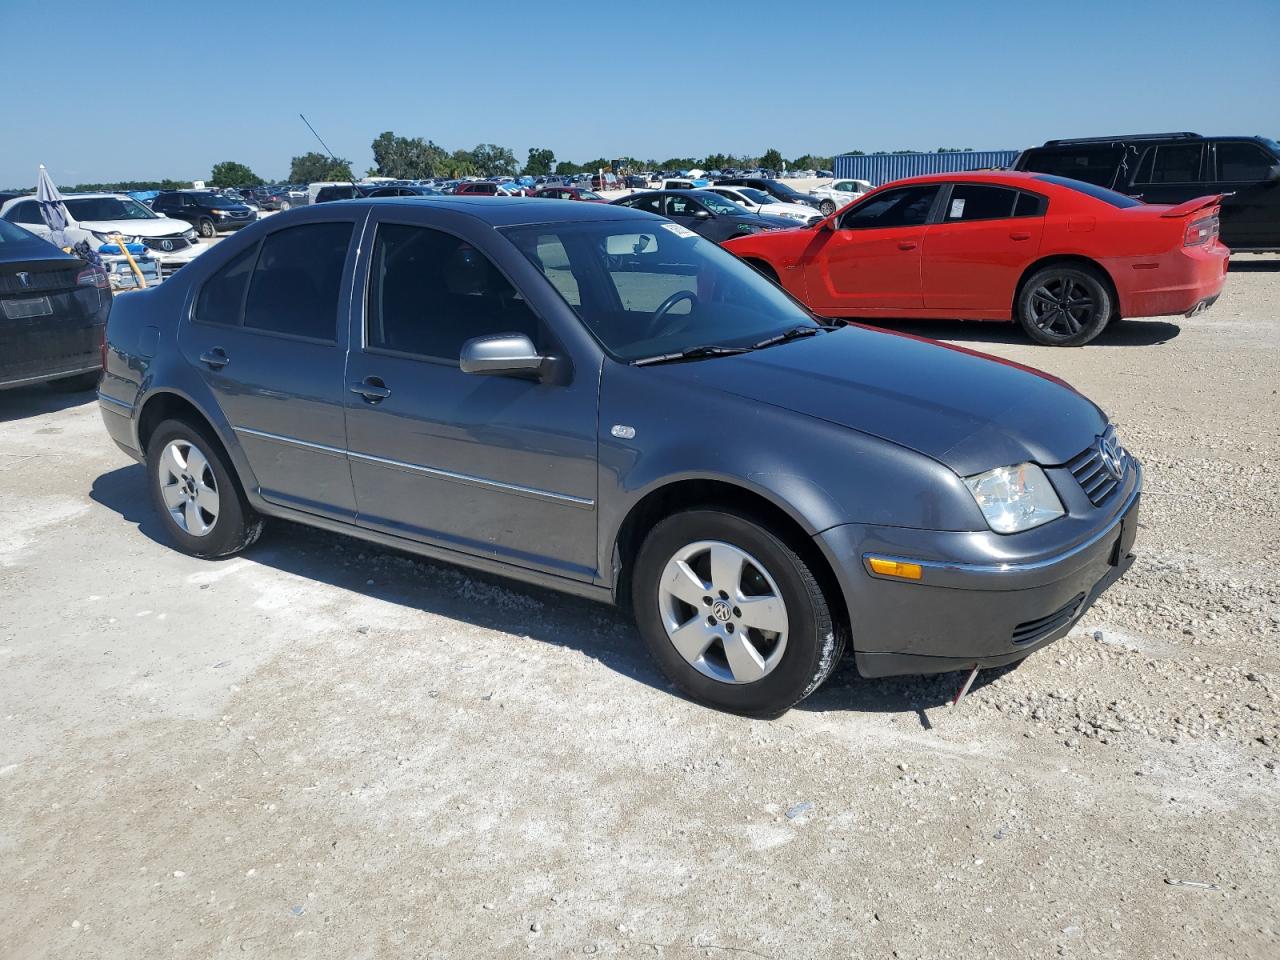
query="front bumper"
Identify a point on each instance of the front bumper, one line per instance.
(964, 614)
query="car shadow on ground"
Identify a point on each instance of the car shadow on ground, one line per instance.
(23, 402)
(1123, 333)
(1255, 266)
(597, 630)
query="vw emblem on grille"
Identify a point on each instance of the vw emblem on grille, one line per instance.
(24, 278)
(1112, 454)
(166, 245)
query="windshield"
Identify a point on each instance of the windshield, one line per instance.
(1091, 190)
(646, 288)
(107, 208)
(786, 191)
(718, 204)
(756, 196)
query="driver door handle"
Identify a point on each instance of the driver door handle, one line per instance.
(216, 358)
(372, 389)
(907, 244)
(1019, 235)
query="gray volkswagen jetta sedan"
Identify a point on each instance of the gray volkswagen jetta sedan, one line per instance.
(596, 400)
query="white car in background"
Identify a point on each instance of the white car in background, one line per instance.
(98, 217)
(757, 201)
(839, 193)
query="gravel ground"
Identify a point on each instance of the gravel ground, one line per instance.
(323, 748)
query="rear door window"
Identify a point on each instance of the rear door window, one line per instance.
(1242, 162)
(222, 296)
(1097, 164)
(905, 207)
(295, 284)
(26, 212)
(650, 204)
(971, 201)
(1171, 163)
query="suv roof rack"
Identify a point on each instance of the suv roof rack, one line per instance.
(1184, 135)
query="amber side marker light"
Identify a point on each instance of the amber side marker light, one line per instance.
(895, 568)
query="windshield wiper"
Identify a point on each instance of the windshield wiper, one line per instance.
(693, 353)
(795, 333)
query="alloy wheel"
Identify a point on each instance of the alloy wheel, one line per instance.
(189, 487)
(1062, 306)
(723, 612)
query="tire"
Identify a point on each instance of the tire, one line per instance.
(826, 208)
(285, 205)
(791, 658)
(229, 523)
(207, 229)
(1044, 308)
(77, 384)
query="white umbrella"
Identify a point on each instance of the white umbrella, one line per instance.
(52, 209)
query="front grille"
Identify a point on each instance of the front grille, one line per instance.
(45, 281)
(1095, 479)
(1034, 630)
(158, 243)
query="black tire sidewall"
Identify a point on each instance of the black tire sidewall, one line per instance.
(1097, 288)
(812, 644)
(231, 528)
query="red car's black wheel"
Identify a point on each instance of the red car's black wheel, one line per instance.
(1064, 306)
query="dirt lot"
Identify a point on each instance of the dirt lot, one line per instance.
(326, 749)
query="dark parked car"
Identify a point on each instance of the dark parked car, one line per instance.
(475, 188)
(780, 190)
(205, 210)
(705, 213)
(53, 308)
(569, 193)
(1177, 167)
(595, 400)
(355, 191)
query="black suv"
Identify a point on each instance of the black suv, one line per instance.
(1175, 167)
(780, 191)
(205, 210)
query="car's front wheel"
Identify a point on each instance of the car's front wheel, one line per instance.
(285, 205)
(1064, 305)
(200, 502)
(207, 229)
(733, 615)
(826, 208)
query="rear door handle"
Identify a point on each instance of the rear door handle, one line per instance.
(907, 244)
(216, 358)
(372, 389)
(1018, 235)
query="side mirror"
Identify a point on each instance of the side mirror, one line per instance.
(832, 223)
(503, 354)
(1273, 175)
(702, 214)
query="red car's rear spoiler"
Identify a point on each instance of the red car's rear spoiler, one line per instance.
(1191, 206)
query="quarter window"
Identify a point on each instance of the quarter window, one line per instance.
(1172, 163)
(222, 295)
(973, 202)
(26, 212)
(295, 283)
(907, 207)
(1243, 162)
(430, 292)
(650, 204)
(1030, 205)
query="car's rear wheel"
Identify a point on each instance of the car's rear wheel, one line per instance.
(826, 208)
(285, 205)
(77, 384)
(207, 229)
(1064, 306)
(199, 500)
(733, 615)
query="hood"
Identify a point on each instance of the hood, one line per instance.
(967, 410)
(772, 221)
(159, 227)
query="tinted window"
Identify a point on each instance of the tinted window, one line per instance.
(1092, 190)
(907, 207)
(678, 206)
(649, 204)
(430, 292)
(1243, 162)
(972, 202)
(222, 295)
(1030, 205)
(296, 281)
(12, 234)
(26, 212)
(1095, 165)
(1172, 163)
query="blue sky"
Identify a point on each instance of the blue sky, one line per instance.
(143, 91)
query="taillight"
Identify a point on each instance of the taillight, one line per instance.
(1204, 230)
(92, 276)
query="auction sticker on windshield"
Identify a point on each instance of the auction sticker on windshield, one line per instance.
(678, 230)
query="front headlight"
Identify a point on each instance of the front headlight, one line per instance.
(220, 213)
(189, 234)
(1015, 498)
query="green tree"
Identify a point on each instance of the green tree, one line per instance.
(567, 168)
(809, 162)
(313, 166)
(491, 160)
(232, 174)
(540, 162)
(407, 158)
(771, 159)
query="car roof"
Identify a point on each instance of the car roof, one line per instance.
(1004, 178)
(516, 211)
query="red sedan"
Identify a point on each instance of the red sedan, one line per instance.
(569, 193)
(1061, 257)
